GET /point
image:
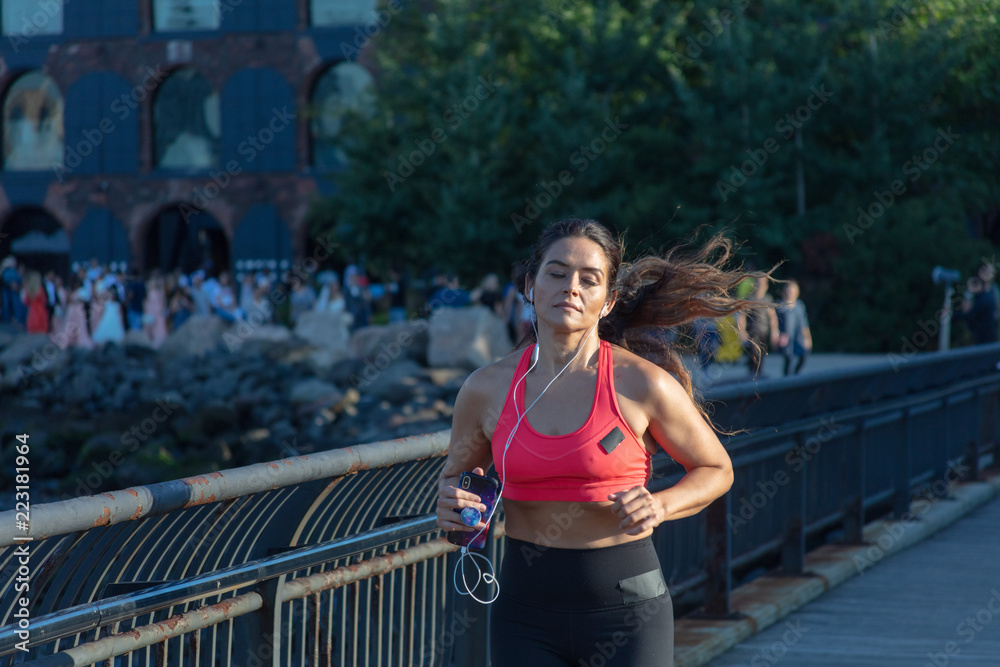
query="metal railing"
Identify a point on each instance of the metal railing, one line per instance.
(334, 558)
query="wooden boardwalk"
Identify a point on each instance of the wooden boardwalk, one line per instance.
(936, 604)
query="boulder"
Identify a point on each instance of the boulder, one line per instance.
(396, 383)
(198, 335)
(83, 386)
(466, 338)
(386, 343)
(252, 339)
(6, 338)
(313, 391)
(27, 349)
(325, 330)
(274, 333)
(329, 363)
(137, 338)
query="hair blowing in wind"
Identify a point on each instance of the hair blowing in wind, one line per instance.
(655, 292)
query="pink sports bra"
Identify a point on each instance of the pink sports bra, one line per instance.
(601, 457)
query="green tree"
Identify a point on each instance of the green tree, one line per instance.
(790, 124)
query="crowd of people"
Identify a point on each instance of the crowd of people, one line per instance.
(101, 303)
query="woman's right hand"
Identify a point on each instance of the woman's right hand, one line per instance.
(451, 498)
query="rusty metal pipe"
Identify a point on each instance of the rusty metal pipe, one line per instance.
(154, 633)
(87, 616)
(321, 581)
(106, 509)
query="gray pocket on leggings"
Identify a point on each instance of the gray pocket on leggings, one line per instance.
(641, 587)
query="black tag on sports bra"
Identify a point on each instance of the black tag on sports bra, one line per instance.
(612, 440)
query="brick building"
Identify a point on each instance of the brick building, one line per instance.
(165, 133)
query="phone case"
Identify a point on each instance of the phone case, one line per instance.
(486, 488)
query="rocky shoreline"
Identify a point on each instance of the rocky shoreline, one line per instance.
(217, 396)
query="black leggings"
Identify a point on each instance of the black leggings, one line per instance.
(582, 608)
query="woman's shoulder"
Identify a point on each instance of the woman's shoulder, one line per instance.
(635, 376)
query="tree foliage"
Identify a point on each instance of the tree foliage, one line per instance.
(788, 123)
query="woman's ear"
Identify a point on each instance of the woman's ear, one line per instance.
(610, 304)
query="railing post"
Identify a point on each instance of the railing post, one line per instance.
(901, 480)
(854, 471)
(266, 646)
(793, 551)
(719, 555)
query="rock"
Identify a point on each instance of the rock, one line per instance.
(447, 377)
(466, 338)
(322, 361)
(246, 338)
(168, 400)
(343, 373)
(198, 335)
(273, 333)
(396, 383)
(289, 352)
(222, 387)
(137, 338)
(386, 343)
(314, 391)
(122, 397)
(327, 331)
(83, 386)
(28, 350)
(6, 338)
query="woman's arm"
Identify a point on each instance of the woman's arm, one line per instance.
(677, 425)
(469, 450)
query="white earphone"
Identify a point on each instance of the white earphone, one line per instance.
(489, 577)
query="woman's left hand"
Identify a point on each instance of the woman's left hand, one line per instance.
(638, 509)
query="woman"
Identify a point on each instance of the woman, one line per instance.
(36, 299)
(580, 573)
(154, 311)
(111, 327)
(74, 332)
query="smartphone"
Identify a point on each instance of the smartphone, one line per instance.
(486, 489)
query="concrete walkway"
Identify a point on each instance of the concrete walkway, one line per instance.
(887, 604)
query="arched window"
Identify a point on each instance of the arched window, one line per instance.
(324, 13)
(169, 15)
(186, 121)
(342, 88)
(33, 135)
(183, 237)
(28, 18)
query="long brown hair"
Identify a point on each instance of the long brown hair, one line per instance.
(654, 293)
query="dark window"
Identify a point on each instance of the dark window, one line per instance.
(342, 88)
(186, 121)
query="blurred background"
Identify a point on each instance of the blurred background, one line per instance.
(287, 172)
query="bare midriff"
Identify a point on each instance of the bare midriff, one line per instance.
(565, 525)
